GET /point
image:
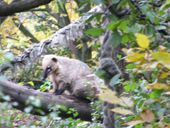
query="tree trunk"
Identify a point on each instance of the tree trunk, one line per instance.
(111, 68)
(20, 6)
(21, 93)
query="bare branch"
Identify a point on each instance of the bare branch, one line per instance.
(20, 6)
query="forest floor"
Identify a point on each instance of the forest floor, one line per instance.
(13, 118)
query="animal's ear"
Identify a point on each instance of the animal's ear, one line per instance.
(54, 59)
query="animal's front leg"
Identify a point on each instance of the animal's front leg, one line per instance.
(59, 91)
(54, 88)
(54, 84)
(61, 88)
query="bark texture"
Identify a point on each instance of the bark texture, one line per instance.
(21, 94)
(20, 6)
(108, 65)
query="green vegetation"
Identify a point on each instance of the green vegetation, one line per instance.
(139, 28)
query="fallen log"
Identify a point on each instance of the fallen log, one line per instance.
(21, 94)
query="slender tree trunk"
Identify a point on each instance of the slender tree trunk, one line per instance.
(110, 67)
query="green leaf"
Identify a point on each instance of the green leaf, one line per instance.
(101, 73)
(161, 27)
(115, 1)
(81, 8)
(166, 5)
(151, 16)
(115, 80)
(130, 66)
(113, 25)
(155, 94)
(46, 86)
(135, 28)
(28, 109)
(98, 1)
(130, 86)
(95, 32)
(33, 101)
(125, 39)
(150, 29)
(6, 98)
(98, 16)
(115, 39)
(61, 3)
(123, 26)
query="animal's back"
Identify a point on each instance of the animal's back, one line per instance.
(72, 69)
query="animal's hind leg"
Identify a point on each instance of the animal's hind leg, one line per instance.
(84, 89)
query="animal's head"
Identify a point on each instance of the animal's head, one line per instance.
(49, 65)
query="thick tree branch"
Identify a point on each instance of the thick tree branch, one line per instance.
(21, 94)
(20, 6)
(64, 37)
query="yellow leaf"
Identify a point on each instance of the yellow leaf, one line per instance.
(110, 96)
(158, 86)
(71, 6)
(127, 101)
(163, 58)
(134, 57)
(163, 75)
(125, 50)
(135, 122)
(21, 83)
(147, 116)
(31, 83)
(79, 46)
(122, 111)
(142, 40)
(8, 1)
(94, 54)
